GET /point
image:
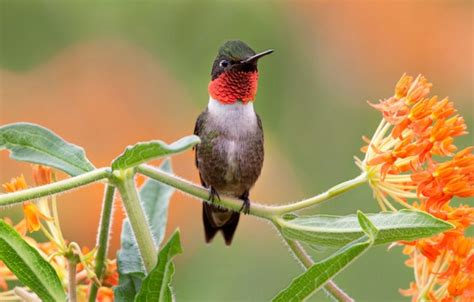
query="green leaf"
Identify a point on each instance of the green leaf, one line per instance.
(128, 256)
(28, 265)
(337, 231)
(154, 197)
(129, 285)
(317, 275)
(35, 144)
(146, 151)
(156, 286)
(367, 226)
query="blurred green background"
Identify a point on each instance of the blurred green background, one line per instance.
(105, 74)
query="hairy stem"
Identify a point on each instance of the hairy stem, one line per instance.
(103, 238)
(71, 272)
(200, 192)
(54, 188)
(332, 192)
(256, 209)
(331, 287)
(137, 218)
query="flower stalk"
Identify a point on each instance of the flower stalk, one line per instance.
(72, 292)
(306, 261)
(315, 200)
(103, 238)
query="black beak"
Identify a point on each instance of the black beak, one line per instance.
(257, 56)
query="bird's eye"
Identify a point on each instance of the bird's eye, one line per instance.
(224, 63)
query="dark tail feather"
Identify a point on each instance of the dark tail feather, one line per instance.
(209, 230)
(210, 227)
(228, 230)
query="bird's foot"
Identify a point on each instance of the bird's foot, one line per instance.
(213, 194)
(245, 205)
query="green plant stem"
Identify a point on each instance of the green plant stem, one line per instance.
(200, 192)
(137, 218)
(331, 287)
(186, 186)
(332, 192)
(103, 238)
(256, 209)
(54, 188)
(71, 272)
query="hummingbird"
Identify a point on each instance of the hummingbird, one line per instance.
(230, 155)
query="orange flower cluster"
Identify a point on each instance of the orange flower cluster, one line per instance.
(37, 217)
(400, 165)
(444, 264)
(32, 214)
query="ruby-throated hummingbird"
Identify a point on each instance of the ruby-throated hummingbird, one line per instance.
(230, 155)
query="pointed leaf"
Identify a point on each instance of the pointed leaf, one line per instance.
(336, 231)
(367, 226)
(146, 151)
(155, 198)
(156, 286)
(317, 275)
(28, 266)
(35, 144)
(128, 256)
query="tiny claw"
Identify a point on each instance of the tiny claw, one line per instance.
(245, 206)
(212, 195)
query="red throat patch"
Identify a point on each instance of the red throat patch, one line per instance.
(234, 85)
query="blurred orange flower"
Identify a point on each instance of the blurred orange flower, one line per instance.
(56, 249)
(33, 217)
(42, 175)
(15, 184)
(32, 214)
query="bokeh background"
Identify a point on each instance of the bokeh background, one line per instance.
(105, 74)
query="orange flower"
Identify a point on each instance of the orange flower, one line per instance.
(5, 275)
(32, 214)
(15, 184)
(105, 294)
(55, 249)
(42, 175)
(111, 277)
(400, 165)
(399, 157)
(444, 264)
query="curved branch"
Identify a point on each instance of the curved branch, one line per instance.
(235, 204)
(306, 261)
(199, 192)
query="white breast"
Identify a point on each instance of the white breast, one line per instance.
(237, 118)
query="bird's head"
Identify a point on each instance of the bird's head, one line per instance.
(234, 73)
